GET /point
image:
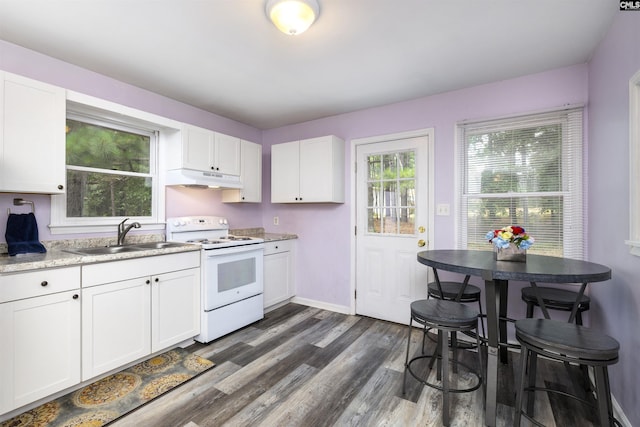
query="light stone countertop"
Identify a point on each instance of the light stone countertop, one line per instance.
(260, 233)
(57, 257)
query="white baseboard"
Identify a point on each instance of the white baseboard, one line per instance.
(619, 414)
(323, 305)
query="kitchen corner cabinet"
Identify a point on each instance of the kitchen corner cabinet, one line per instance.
(205, 150)
(308, 171)
(278, 272)
(136, 307)
(40, 334)
(250, 175)
(32, 136)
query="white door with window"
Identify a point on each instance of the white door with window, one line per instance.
(392, 224)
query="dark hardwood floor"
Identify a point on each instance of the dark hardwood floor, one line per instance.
(302, 366)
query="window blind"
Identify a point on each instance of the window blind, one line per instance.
(525, 171)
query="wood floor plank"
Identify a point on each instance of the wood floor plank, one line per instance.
(375, 402)
(341, 380)
(323, 357)
(272, 399)
(306, 367)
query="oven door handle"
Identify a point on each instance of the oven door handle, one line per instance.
(211, 252)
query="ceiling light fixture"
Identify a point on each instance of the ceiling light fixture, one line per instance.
(292, 17)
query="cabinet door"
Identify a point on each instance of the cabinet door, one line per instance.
(277, 278)
(116, 325)
(32, 141)
(197, 148)
(285, 172)
(321, 170)
(227, 154)
(250, 175)
(40, 351)
(175, 308)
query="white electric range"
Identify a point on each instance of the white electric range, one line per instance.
(231, 273)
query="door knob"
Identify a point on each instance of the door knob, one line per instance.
(421, 243)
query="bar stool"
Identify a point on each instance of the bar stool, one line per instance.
(460, 292)
(447, 317)
(565, 342)
(556, 299)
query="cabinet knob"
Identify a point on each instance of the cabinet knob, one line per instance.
(276, 247)
(213, 168)
(60, 187)
(44, 283)
(156, 280)
(76, 296)
(148, 281)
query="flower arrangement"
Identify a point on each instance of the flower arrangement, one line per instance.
(515, 234)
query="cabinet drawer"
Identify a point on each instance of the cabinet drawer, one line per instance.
(38, 282)
(115, 271)
(276, 247)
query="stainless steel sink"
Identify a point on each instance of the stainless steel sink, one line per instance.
(104, 250)
(110, 250)
(158, 245)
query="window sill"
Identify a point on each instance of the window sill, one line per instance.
(634, 247)
(104, 228)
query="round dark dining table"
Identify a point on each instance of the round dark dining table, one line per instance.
(496, 276)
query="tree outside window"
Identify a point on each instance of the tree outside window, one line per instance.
(109, 170)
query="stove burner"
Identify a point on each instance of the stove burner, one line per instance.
(239, 238)
(204, 241)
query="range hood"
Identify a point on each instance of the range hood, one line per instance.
(194, 178)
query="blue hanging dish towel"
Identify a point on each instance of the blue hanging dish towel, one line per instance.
(22, 234)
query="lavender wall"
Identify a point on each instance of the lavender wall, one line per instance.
(18, 60)
(323, 253)
(615, 308)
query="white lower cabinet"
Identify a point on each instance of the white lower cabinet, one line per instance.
(175, 308)
(278, 272)
(116, 325)
(56, 330)
(125, 320)
(40, 335)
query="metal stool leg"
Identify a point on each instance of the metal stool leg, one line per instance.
(533, 366)
(406, 360)
(605, 408)
(520, 391)
(481, 317)
(445, 380)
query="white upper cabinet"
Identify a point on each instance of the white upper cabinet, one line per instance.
(308, 171)
(250, 176)
(32, 136)
(205, 150)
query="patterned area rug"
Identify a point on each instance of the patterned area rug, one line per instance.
(107, 399)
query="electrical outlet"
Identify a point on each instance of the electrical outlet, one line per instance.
(276, 220)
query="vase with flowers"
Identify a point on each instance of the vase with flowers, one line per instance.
(510, 243)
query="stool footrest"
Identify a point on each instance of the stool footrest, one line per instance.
(436, 386)
(565, 394)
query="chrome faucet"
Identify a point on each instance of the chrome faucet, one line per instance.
(124, 229)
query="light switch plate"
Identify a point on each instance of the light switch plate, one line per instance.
(442, 209)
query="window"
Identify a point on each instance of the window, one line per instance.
(634, 167)
(111, 173)
(523, 171)
(391, 193)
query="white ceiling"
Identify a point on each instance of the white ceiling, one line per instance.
(225, 57)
